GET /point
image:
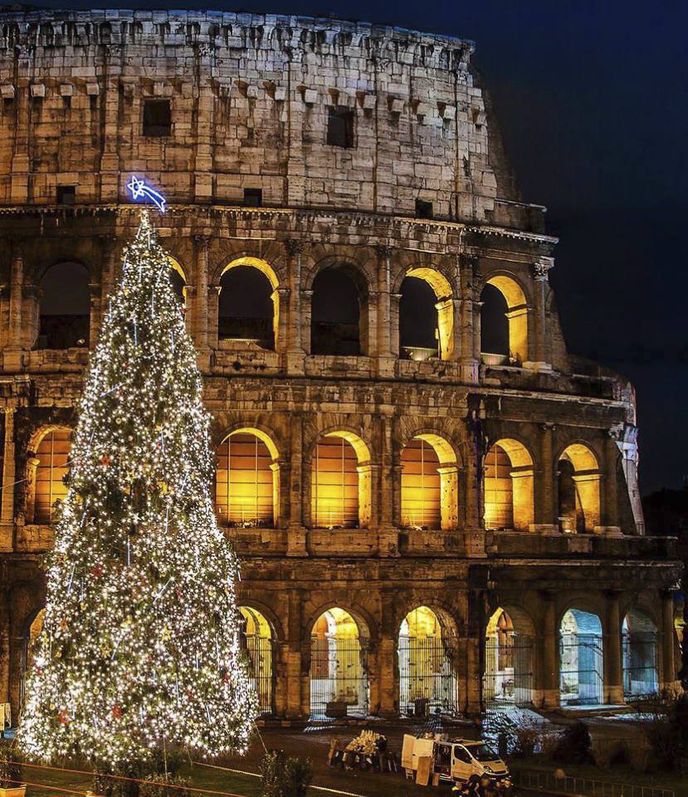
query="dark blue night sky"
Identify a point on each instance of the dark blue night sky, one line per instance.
(592, 98)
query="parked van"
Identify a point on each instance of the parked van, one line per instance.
(453, 760)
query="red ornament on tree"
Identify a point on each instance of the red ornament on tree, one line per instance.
(97, 571)
(117, 711)
(63, 717)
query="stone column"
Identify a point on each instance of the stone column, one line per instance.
(95, 313)
(16, 299)
(469, 319)
(19, 172)
(8, 480)
(668, 676)
(386, 515)
(280, 300)
(107, 269)
(295, 350)
(385, 358)
(545, 494)
(474, 649)
(611, 486)
(203, 150)
(213, 316)
(538, 350)
(549, 653)
(200, 310)
(109, 160)
(613, 677)
(296, 535)
(295, 696)
(388, 664)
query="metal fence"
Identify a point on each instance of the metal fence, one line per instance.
(545, 781)
(581, 668)
(339, 675)
(258, 653)
(427, 677)
(509, 671)
(640, 663)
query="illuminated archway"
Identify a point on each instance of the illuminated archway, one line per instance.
(411, 341)
(340, 482)
(46, 473)
(578, 489)
(339, 669)
(581, 658)
(247, 480)
(256, 640)
(178, 279)
(64, 315)
(508, 486)
(516, 315)
(429, 483)
(509, 658)
(29, 650)
(249, 302)
(639, 640)
(427, 675)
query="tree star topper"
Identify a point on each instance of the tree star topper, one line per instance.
(139, 189)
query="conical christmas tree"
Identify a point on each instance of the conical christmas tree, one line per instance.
(140, 647)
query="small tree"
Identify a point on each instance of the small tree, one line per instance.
(284, 776)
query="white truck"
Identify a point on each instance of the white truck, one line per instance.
(450, 760)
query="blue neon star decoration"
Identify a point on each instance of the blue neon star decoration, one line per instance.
(139, 190)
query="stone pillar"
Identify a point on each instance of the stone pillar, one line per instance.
(538, 349)
(16, 299)
(280, 301)
(8, 480)
(95, 313)
(668, 676)
(107, 269)
(549, 653)
(109, 160)
(213, 316)
(19, 172)
(386, 513)
(449, 496)
(394, 339)
(295, 680)
(474, 642)
(469, 319)
(611, 486)
(4, 647)
(545, 493)
(296, 535)
(613, 676)
(294, 343)
(388, 663)
(205, 112)
(385, 358)
(200, 310)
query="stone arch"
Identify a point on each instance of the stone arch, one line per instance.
(578, 488)
(443, 308)
(341, 480)
(508, 486)
(509, 657)
(516, 315)
(232, 326)
(429, 482)
(581, 657)
(339, 326)
(178, 279)
(338, 664)
(639, 654)
(64, 317)
(258, 643)
(427, 658)
(46, 466)
(247, 478)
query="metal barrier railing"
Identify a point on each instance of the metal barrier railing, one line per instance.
(546, 781)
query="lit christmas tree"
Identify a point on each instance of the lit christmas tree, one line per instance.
(140, 648)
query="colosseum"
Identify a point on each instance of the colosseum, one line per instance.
(435, 503)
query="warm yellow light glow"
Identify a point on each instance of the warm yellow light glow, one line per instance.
(257, 638)
(444, 306)
(52, 454)
(517, 315)
(337, 671)
(341, 481)
(420, 486)
(508, 486)
(586, 483)
(247, 479)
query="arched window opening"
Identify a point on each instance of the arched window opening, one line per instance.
(340, 482)
(339, 667)
(581, 666)
(52, 455)
(339, 318)
(578, 483)
(256, 641)
(639, 643)
(509, 660)
(178, 279)
(420, 486)
(65, 307)
(426, 315)
(247, 480)
(508, 486)
(503, 322)
(249, 308)
(427, 674)
(28, 653)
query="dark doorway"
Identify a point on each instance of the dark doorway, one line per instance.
(338, 318)
(494, 324)
(246, 307)
(65, 307)
(417, 319)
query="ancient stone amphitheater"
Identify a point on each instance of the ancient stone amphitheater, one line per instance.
(436, 504)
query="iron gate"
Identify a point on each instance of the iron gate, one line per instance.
(339, 677)
(581, 670)
(640, 663)
(258, 652)
(426, 673)
(509, 671)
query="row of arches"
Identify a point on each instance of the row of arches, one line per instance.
(426, 658)
(247, 483)
(249, 310)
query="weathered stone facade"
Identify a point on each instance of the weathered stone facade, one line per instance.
(250, 97)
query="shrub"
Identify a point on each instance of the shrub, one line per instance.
(668, 735)
(10, 769)
(284, 776)
(574, 746)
